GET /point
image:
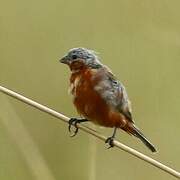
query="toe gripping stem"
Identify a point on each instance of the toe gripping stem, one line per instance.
(74, 122)
(110, 140)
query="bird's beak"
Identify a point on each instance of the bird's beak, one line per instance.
(64, 60)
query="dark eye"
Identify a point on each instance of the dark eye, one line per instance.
(115, 82)
(74, 56)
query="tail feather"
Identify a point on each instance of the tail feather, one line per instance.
(140, 135)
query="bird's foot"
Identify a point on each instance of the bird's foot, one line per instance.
(110, 141)
(74, 122)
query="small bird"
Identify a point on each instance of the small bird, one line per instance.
(98, 96)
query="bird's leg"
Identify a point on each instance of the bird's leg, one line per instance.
(110, 139)
(74, 122)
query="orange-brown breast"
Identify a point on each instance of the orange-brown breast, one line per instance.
(90, 104)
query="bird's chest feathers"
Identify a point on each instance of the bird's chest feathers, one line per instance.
(74, 85)
(82, 88)
(80, 84)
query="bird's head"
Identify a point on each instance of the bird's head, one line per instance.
(79, 58)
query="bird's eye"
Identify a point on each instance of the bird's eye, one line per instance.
(74, 56)
(115, 82)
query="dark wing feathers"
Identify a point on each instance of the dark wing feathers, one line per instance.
(114, 93)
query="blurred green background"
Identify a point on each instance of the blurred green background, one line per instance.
(138, 39)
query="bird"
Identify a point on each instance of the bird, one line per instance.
(99, 96)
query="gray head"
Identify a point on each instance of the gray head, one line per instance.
(77, 58)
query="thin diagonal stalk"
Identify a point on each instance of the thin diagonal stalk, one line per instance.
(119, 145)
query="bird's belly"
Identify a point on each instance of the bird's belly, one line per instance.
(93, 107)
(89, 104)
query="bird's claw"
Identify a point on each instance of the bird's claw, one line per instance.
(74, 122)
(110, 141)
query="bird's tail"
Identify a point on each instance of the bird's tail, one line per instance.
(136, 132)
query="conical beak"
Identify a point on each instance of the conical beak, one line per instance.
(64, 60)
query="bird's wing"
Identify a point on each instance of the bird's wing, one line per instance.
(114, 93)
